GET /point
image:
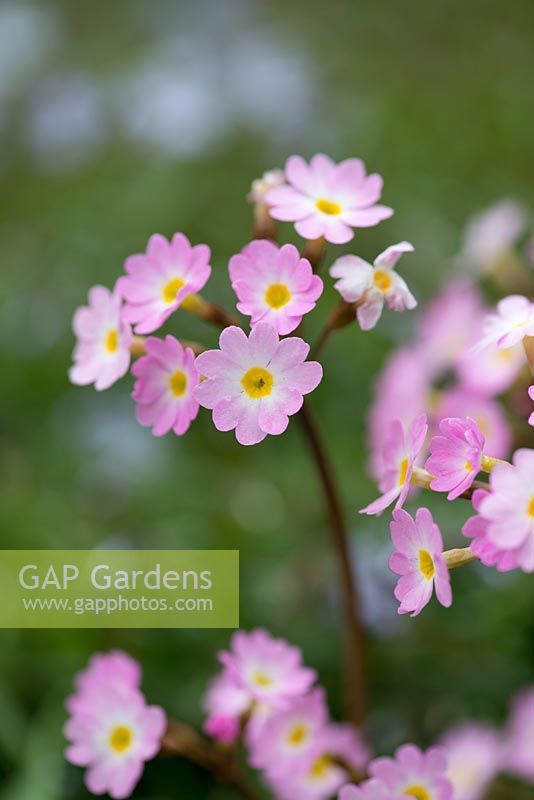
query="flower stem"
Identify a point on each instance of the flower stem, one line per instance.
(528, 344)
(421, 477)
(314, 251)
(489, 463)
(341, 316)
(138, 346)
(355, 638)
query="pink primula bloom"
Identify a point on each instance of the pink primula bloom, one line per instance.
(255, 384)
(274, 285)
(491, 371)
(531, 395)
(373, 285)
(260, 186)
(225, 702)
(456, 456)
(158, 281)
(223, 729)
(327, 200)
(164, 389)
(369, 790)
(269, 669)
(415, 773)
(513, 320)
(519, 737)
(509, 508)
(491, 233)
(486, 412)
(473, 759)
(102, 352)
(400, 452)
(418, 560)
(476, 528)
(115, 669)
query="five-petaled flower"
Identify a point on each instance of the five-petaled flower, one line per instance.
(414, 773)
(513, 320)
(327, 200)
(456, 456)
(372, 285)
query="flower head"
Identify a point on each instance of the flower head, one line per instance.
(255, 384)
(158, 281)
(418, 560)
(373, 285)
(400, 452)
(473, 759)
(114, 669)
(274, 285)
(368, 790)
(102, 352)
(513, 320)
(476, 528)
(490, 234)
(163, 392)
(519, 737)
(415, 773)
(456, 456)
(485, 411)
(327, 199)
(226, 702)
(260, 186)
(492, 370)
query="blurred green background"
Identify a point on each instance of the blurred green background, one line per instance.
(119, 119)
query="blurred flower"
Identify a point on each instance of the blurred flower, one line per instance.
(260, 186)
(159, 281)
(487, 413)
(418, 560)
(114, 669)
(372, 286)
(400, 452)
(473, 759)
(102, 353)
(456, 456)
(519, 737)
(274, 285)
(513, 320)
(476, 528)
(491, 233)
(491, 371)
(254, 384)
(415, 773)
(531, 395)
(327, 199)
(163, 391)
(225, 703)
(368, 790)
(224, 729)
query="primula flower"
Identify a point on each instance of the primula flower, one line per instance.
(163, 392)
(373, 285)
(368, 790)
(115, 669)
(456, 456)
(519, 737)
(513, 320)
(418, 560)
(254, 384)
(476, 528)
(269, 669)
(327, 200)
(473, 759)
(490, 234)
(159, 281)
(226, 703)
(491, 371)
(415, 773)
(531, 395)
(487, 413)
(260, 186)
(274, 284)
(399, 455)
(102, 352)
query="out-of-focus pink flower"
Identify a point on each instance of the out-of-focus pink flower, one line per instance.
(115, 669)
(255, 384)
(225, 703)
(418, 560)
(415, 773)
(519, 736)
(260, 186)
(368, 790)
(476, 528)
(372, 285)
(224, 729)
(531, 395)
(163, 392)
(491, 233)
(327, 200)
(513, 320)
(269, 669)
(456, 456)
(473, 759)
(399, 456)
(102, 352)
(490, 371)
(158, 281)
(487, 413)
(274, 285)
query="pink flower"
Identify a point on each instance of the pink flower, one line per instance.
(224, 729)
(520, 736)
(158, 281)
(513, 320)
(399, 456)
(490, 371)
(269, 669)
(114, 669)
(163, 392)
(373, 285)
(260, 186)
(368, 790)
(418, 559)
(327, 199)
(473, 759)
(456, 456)
(274, 285)
(509, 508)
(254, 384)
(476, 528)
(102, 353)
(487, 413)
(531, 395)
(225, 702)
(491, 233)
(415, 773)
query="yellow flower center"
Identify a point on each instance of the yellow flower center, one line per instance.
(426, 564)
(419, 792)
(530, 507)
(121, 739)
(261, 679)
(277, 295)
(257, 382)
(468, 466)
(328, 206)
(320, 766)
(297, 735)
(403, 471)
(171, 290)
(112, 341)
(178, 383)
(382, 280)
